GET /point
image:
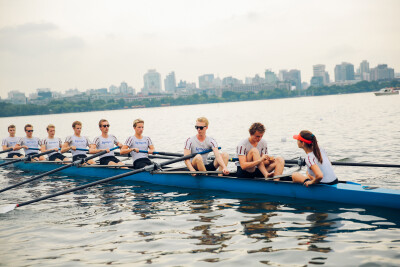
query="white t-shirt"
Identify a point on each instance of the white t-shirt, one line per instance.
(79, 142)
(33, 142)
(245, 146)
(104, 143)
(51, 143)
(141, 144)
(10, 141)
(325, 166)
(195, 146)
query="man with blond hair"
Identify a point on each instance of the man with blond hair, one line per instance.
(76, 142)
(254, 160)
(10, 142)
(52, 143)
(200, 143)
(28, 142)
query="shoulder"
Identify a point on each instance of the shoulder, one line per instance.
(263, 142)
(243, 142)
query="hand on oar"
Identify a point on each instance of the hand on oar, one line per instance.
(11, 207)
(5, 151)
(77, 162)
(24, 158)
(302, 162)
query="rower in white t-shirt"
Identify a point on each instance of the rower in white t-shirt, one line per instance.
(10, 142)
(200, 143)
(53, 143)
(105, 142)
(319, 167)
(28, 142)
(75, 142)
(138, 142)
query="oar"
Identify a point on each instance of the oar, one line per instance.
(25, 158)
(302, 162)
(11, 207)
(7, 150)
(166, 153)
(77, 162)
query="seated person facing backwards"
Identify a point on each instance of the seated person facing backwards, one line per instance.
(28, 142)
(105, 142)
(254, 160)
(200, 143)
(75, 141)
(10, 142)
(319, 168)
(53, 143)
(138, 142)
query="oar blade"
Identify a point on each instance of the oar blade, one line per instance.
(7, 208)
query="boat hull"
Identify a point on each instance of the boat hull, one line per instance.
(349, 192)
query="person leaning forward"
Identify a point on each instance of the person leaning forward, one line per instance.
(254, 160)
(200, 143)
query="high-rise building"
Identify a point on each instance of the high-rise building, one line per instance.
(344, 72)
(319, 71)
(113, 89)
(16, 97)
(152, 82)
(170, 82)
(382, 72)
(206, 81)
(123, 88)
(292, 76)
(270, 77)
(364, 70)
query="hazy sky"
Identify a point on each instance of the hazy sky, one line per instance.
(92, 44)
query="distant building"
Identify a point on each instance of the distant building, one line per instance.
(304, 85)
(319, 71)
(44, 93)
(206, 81)
(170, 82)
(270, 77)
(113, 90)
(230, 81)
(344, 72)
(317, 81)
(152, 82)
(292, 76)
(248, 80)
(123, 88)
(382, 72)
(72, 92)
(16, 97)
(364, 70)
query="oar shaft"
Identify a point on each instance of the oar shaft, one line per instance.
(147, 168)
(166, 153)
(5, 151)
(25, 158)
(355, 164)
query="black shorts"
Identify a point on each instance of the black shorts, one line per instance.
(79, 156)
(210, 166)
(12, 154)
(251, 175)
(31, 155)
(141, 163)
(106, 160)
(332, 183)
(56, 156)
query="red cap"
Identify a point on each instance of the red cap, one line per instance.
(298, 137)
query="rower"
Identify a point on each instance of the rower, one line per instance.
(200, 143)
(28, 142)
(319, 168)
(254, 160)
(10, 142)
(138, 142)
(53, 143)
(75, 141)
(105, 142)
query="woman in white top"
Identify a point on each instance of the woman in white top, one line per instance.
(319, 168)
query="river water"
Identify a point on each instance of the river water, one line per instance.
(133, 223)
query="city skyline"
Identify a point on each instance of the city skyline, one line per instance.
(66, 45)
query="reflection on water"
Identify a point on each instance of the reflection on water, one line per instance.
(133, 223)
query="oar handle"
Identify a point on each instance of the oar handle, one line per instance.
(7, 150)
(33, 148)
(85, 149)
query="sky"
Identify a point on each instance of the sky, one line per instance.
(89, 44)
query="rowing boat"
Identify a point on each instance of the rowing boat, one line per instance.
(343, 192)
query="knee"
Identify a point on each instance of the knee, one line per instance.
(280, 160)
(225, 155)
(197, 158)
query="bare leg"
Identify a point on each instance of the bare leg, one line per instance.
(225, 158)
(277, 166)
(254, 155)
(198, 163)
(298, 178)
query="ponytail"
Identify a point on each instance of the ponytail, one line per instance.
(314, 145)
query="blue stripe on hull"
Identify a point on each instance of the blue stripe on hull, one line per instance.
(349, 193)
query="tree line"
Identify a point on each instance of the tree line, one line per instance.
(60, 106)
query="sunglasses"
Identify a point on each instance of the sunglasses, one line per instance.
(29, 131)
(200, 127)
(105, 125)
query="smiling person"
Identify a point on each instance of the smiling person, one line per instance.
(75, 141)
(199, 143)
(28, 142)
(53, 143)
(10, 142)
(138, 142)
(254, 160)
(105, 142)
(319, 168)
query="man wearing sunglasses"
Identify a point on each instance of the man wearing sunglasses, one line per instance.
(200, 143)
(28, 142)
(105, 142)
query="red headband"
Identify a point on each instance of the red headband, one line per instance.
(298, 137)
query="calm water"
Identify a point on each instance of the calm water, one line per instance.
(136, 223)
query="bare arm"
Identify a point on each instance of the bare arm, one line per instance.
(65, 147)
(125, 150)
(246, 165)
(318, 174)
(187, 162)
